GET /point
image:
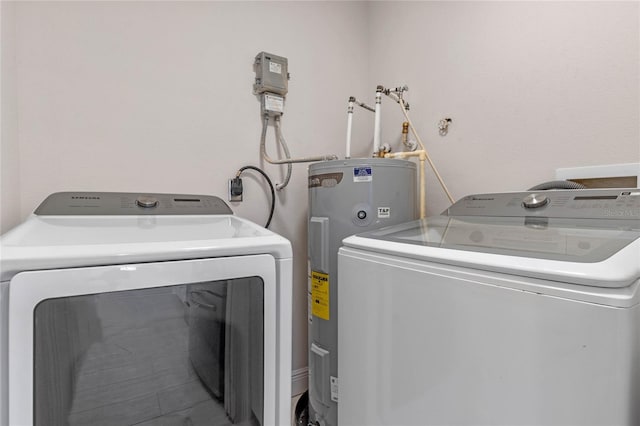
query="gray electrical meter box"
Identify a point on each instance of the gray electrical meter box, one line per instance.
(272, 74)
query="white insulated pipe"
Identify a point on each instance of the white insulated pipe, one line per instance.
(349, 127)
(376, 122)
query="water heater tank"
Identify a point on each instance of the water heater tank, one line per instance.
(346, 197)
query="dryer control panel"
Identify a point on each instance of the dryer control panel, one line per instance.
(579, 204)
(127, 203)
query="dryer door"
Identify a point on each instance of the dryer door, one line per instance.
(189, 342)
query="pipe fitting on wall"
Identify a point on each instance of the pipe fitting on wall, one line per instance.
(443, 126)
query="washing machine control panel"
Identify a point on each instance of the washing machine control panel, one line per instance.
(582, 203)
(126, 203)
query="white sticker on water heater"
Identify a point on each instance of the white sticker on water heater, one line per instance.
(334, 389)
(384, 212)
(362, 174)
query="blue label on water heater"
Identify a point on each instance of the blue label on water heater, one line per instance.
(362, 174)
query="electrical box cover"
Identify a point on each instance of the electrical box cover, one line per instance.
(272, 74)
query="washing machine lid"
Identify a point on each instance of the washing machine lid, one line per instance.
(51, 241)
(570, 240)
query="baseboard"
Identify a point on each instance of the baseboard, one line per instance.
(299, 381)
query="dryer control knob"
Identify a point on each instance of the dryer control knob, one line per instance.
(533, 201)
(146, 202)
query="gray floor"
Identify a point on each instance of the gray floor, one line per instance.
(124, 381)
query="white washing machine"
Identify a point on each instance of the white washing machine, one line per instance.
(123, 309)
(507, 309)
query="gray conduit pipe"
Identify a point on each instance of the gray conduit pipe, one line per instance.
(287, 154)
(288, 160)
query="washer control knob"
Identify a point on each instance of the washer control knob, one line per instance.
(146, 201)
(533, 201)
(362, 214)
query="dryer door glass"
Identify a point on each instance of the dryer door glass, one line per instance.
(185, 354)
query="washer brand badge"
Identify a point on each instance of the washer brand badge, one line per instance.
(384, 212)
(327, 180)
(84, 198)
(362, 174)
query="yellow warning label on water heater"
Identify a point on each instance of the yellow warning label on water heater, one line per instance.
(320, 295)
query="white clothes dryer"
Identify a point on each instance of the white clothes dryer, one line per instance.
(507, 309)
(123, 309)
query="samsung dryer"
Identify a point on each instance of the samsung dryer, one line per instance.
(120, 308)
(507, 309)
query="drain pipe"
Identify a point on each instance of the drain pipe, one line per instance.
(422, 156)
(422, 148)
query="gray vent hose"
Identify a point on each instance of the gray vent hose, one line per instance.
(558, 184)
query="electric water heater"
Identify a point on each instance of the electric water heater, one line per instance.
(346, 197)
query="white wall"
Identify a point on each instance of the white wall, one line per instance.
(530, 86)
(9, 149)
(157, 97)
